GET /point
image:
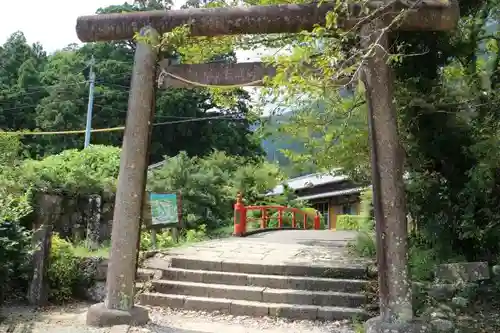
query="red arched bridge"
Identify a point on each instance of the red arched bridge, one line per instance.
(253, 219)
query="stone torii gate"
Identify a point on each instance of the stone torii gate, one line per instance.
(396, 314)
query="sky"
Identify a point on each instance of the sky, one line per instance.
(50, 22)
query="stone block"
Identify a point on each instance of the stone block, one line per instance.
(443, 325)
(235, 292)
(100, 316)
(288, 296)
(225, 278)
(462, 272)
(276, 281)
(336, 313)
(195, 264)
(299, 312)
(231, 267)
(207, 304)
(102, 270)
(245, 308)
(461, 302)
(144, 275)
(187, 275)
(97, 292)
(326, 298)
(168, 301)
(442, 291)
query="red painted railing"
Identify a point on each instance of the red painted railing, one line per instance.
(299, 217)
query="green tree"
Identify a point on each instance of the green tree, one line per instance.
(21, 87)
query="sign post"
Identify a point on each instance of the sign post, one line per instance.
(165, 209)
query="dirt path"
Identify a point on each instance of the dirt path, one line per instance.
(71, 319)
(170, 321)
(64, 319)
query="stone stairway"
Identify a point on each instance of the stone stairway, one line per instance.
(293, 290)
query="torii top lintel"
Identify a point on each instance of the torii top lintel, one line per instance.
(430, 15)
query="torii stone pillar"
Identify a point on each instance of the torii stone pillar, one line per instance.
(118, 307)
(388, 191)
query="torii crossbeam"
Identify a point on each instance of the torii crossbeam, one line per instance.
(387, 166)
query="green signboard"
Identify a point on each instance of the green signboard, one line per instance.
(165, 209)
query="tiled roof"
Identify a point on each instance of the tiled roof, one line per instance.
(306, 181)
(334, 193)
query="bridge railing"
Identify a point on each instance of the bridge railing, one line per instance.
(299, 217)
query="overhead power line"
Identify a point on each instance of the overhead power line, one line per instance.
(115, 129)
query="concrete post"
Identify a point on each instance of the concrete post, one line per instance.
(389, 197)
(118, 307)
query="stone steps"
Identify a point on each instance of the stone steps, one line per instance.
(344, 271)
(251, 308)
(259, 294)
(269, 281)
(258, 289)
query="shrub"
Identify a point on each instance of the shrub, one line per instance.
(15, 241)
(354, 222)
(164, 239)
(196, 235)
(15, 246)
(364, 245)
(421, 263)
(64, 273)
(348, 222)
(366, 207)
(89, 171)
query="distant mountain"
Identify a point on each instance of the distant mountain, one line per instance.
(275, 142)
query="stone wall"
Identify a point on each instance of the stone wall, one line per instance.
(78, 218)
(96, 269)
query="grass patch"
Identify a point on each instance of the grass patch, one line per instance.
(81, 250)
(222, 232)
(164, 240)
(364, 245)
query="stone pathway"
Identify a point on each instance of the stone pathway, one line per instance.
(309, 247)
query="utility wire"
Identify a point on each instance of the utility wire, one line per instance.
(115, 129)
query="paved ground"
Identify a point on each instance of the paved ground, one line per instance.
(71, 319)
(323, 247)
